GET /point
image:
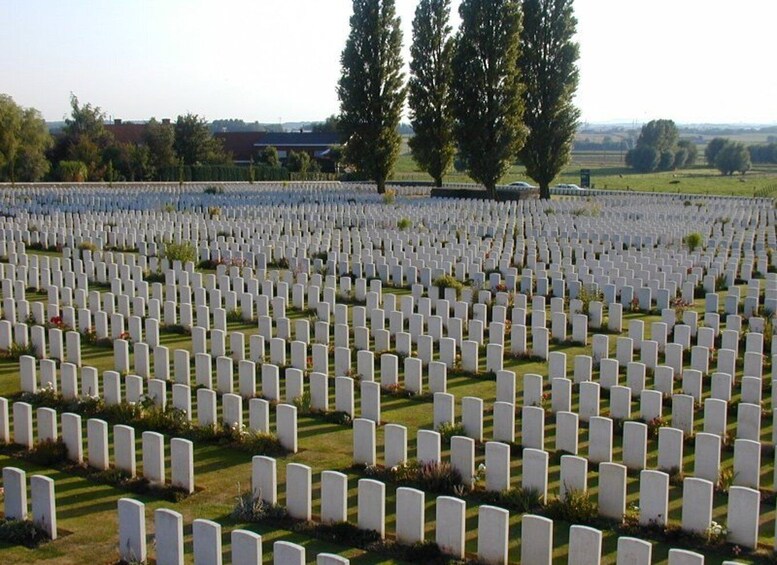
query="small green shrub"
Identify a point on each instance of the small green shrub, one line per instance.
(389, 197)
(250, 509)
(21, 532)
(448, 281)
(693, 241)
(169, 208)
(577, 508)
(522, 500)
(726, 479)
(448, 429)
(345, 533)
(438, 477)
(48, 453)
(17, 351)
(87, 246)
(404, 224)
(183, 252)
(424, 552)
(214, 211)
(214, 190)
(234, 315)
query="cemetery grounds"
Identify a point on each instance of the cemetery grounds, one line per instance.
(497, 242)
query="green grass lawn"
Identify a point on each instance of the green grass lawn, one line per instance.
(609, 172)
(87, 511)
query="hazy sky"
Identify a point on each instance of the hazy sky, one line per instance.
(270, 60)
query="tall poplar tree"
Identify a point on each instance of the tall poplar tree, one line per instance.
(429, 88)
(548, 66)
(371, 89)
(487, 103)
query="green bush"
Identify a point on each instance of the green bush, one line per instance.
(183, 252)
(48, 453)
(214, 190)
(235, 315)
(404, 224)
(389, 197)
(448, 429)
(87, 246)
(577, 508)
(16, 351)
(345, 533)
(437, 477)
(448, 281)
(522, 500)
(250, 509)
(693, 241)
(21, 532)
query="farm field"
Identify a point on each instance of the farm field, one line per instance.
(279, 289)
(608, 172)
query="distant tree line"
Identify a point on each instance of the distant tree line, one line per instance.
(763, 154)
(84, 149)
(498, 90)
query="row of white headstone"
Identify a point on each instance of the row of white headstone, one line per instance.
(246, 546)
(42, 498)
(98, 447)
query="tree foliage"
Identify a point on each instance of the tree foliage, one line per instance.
(194, 144)
(269, 156)
(24, 140)
(733, 157)
(549, 72)
(329, 125)
(712, 150)
(487, 104)
(371, 89)
(643, 159)
(84, 138)
(160, 139)
(429, 88)
(661, 136)
(763, 153)
(691, 152)
(298, 162)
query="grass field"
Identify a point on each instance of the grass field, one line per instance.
(609, 172)
(87, 511)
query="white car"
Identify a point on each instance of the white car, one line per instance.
(520, 184)
(569, 186)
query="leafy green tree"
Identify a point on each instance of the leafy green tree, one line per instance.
(192, 139)
(666, 160)
(548, 65)
(733, 157)
(269, 156)
(429, 88)
(712, 150)
(680, 157)
(195, 144)
(661, 134)
(371, 89)
(644, 159)
(487, 104)
(298, 162)
(160, 139)
(24, 140)
(330, 125)
(85, 138)
(692, 151)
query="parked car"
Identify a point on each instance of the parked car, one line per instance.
(520, 184)
(569, 186)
